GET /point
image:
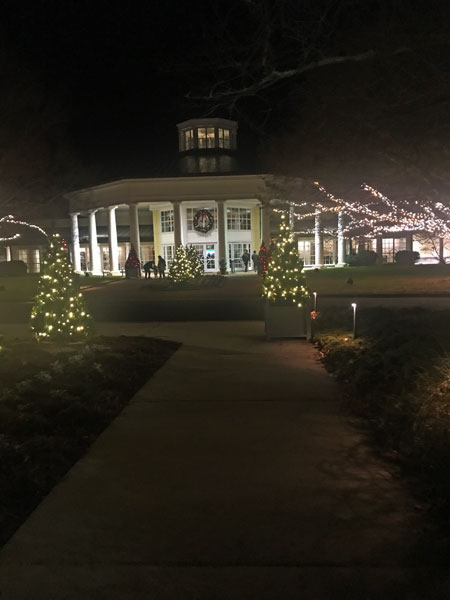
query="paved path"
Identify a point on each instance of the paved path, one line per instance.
(232, 474)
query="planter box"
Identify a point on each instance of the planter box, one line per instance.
(287, 321)
(131, 273)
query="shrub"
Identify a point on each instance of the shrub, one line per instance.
(12, 268)
(364, 258)
(406, 257)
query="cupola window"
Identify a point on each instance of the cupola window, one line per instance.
(188, 139)
(206, 137)
(224, 138)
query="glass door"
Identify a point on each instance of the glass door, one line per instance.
(210, 254)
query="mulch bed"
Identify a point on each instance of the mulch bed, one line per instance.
(54, 402)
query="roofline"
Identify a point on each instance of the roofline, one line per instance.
(202, 122)
(117, 182)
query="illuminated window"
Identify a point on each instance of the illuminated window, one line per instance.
(239, 219)
(224, 138)
(306, 250)
(168, 253)
(235, 252)
(166, 221)
(188, 139)
(190, 212)
(206, 137)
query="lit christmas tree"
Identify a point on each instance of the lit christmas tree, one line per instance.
(197, 267)
(132, 263)
(263, 260)
(59, 312)
(181, 270)
(284, 283)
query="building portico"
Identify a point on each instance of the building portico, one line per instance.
(169, 206)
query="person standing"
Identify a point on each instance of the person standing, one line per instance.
(161, 267)
(148, 267)
(255, 260)
(246, 259)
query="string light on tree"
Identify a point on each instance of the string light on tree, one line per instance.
(284, 283)
(181, 268)
(377, 215)
(59, 312)
(10, 220)
(197, 267)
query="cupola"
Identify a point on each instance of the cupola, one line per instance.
(207, 146)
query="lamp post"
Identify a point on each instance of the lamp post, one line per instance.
(354, 320)
(315, 301)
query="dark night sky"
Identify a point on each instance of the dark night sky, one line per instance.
(120, 70)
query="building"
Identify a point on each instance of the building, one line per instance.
(208, 203)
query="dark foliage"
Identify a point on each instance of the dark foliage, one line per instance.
(12, 268)
(53, 408)
(396, 376)
(364, 258)
(406, 257)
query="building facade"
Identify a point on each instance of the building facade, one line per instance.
(208, 205)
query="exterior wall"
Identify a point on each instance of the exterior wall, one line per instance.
(256, 228)
(30, 255)
(157, 233)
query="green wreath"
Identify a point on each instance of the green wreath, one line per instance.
(203, 221)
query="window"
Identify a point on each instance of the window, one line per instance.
(224, 138)
(166, 221)
(328, 252)
(168, 253)
(235, 252)
(239, 219)
(23, 255)
(206, 137)
(188, 139)
(190, 212)
(306, 250)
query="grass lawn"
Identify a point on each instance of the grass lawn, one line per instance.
(23, 289)
(54, 401)
(386, 279)
(13, 289)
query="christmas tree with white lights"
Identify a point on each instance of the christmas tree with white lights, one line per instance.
(59, 312)
(284, 283)
(180, 270)
(197, 267)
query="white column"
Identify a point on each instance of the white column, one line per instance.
(112, 237)
(409, 242)
(94, 250)
(134, 229)
(75, 242)
(8, 252)
(176, 223)
(341, 241)
(379, 250)
(221, 231)
(318, 240)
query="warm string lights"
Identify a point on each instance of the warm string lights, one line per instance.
(59, 312)
(186, 265)
(11, 220)
(132, 261)
(263, 260)
(377, 215)
(284, 283)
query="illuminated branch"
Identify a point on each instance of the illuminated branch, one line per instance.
(11, 220)
(379, 215)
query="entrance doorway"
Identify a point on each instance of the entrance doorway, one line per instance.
(207, 254)
(235, 252)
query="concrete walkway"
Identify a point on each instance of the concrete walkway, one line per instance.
(232, 474)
